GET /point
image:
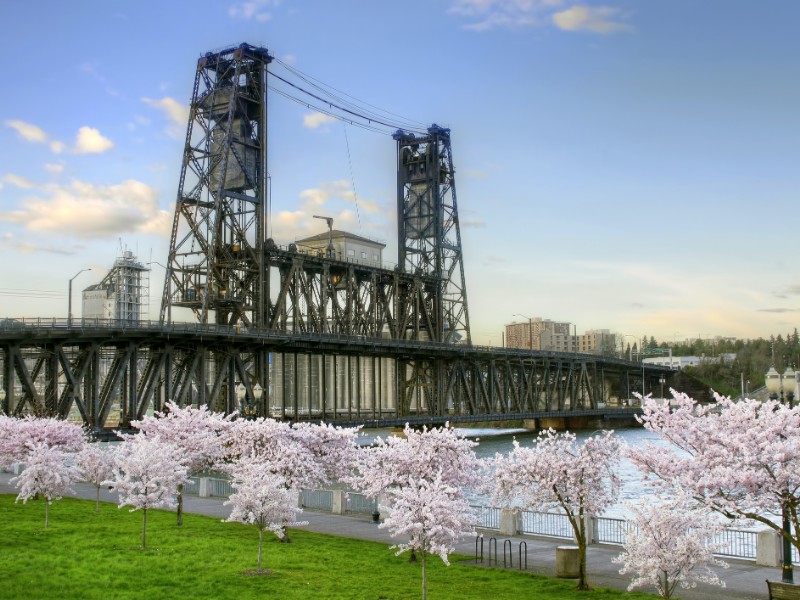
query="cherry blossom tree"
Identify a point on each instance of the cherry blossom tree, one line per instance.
(396, 468)
(670, 544)
(147, 474)
(395, 461)
(197, 433)
(47, 474)
(558, 473)
(305, 456)
(740, 459)
(96, 466)
(19, 436)
(262, 498)
(433, 514)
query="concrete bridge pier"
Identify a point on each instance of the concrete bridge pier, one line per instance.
(557, 423)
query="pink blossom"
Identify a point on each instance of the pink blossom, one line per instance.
(96, 466)
(740, 459)
(196, 432)
(146, 475)
(557, 473)
(262, 498)
(19, 436)
(46, 473)
(305, 455)
(669, 544)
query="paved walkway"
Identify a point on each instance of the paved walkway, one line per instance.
(744, 580)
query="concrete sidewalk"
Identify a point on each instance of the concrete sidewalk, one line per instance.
(744, 580)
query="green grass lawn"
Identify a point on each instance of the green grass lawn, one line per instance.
(96, 555)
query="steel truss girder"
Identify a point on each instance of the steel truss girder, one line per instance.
(111, 379)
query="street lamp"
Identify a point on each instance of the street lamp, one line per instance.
(168, 285)
(258, 391)
(530, 331)
(241, 392)
(786, 384)
(69, 297)
(662, 381)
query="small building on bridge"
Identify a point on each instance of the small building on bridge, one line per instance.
(345, 246)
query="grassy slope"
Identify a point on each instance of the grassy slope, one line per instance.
(95, 555)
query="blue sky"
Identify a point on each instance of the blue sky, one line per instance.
(629, 165)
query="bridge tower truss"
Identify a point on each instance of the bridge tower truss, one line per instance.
(216, 262)
(429, 236)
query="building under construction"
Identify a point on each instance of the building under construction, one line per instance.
(122, 295)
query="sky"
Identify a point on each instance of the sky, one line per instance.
(631, 165)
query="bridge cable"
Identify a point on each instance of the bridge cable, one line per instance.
(357, 105)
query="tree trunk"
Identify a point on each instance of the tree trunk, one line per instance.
(582, 585)
(260, 542)
(424, 578)
(46, 513)
(144, 528)
(97, 500)
(180, 504)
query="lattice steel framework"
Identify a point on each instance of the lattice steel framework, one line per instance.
(215, 262)
(429, 236)
(108, 374)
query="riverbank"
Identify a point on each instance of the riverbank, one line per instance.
(745, 580)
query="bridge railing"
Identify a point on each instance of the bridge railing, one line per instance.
(80, 325)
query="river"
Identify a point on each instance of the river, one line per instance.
(492, 441)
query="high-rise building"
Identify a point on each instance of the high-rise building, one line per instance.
(597, 341)
(541, 334)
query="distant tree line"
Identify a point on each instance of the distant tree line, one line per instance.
(753, 359)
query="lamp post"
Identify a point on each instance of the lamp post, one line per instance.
(241, 392)
(530, 331)
(258, 391)
(786, 384)
(169, 289)
(662, 381)
(69, 297)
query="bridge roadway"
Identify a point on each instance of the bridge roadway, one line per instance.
(108, 373)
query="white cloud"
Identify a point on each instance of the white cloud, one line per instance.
(314, 120)
(86, 210)
(493, 14)
(176, 113)
(18, 181)
(172, 109)
(34, 134)
(54, 168)
(597, 19)
(90, 141)
(253, 9)
(28, 131)
(332, 199)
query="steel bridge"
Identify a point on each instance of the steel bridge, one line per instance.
(298, 333)
(107, 374)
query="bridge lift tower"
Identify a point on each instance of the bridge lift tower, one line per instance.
(216, 258)
(429, 236)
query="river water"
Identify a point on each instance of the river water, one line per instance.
(492, 441)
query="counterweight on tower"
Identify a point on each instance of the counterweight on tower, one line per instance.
(216, 258)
